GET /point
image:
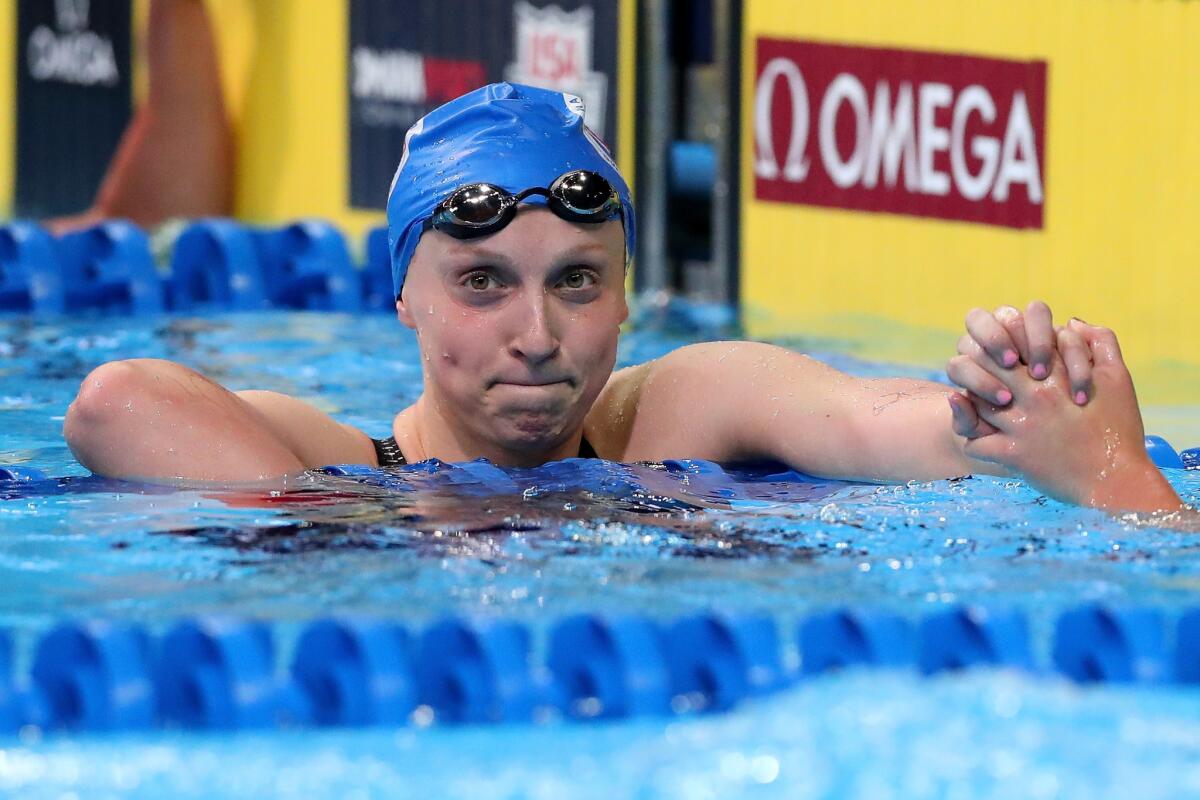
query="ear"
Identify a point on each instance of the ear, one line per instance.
(404, 313)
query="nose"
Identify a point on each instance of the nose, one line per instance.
(536, 338)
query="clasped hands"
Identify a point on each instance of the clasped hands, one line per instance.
(1055, 404)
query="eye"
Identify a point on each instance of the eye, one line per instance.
(578, 279)
(480, 281)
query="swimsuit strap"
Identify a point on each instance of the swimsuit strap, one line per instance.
(586, 450)
(388, 453)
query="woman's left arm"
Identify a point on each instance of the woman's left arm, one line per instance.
(730, 401)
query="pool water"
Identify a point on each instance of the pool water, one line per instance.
(537, 550)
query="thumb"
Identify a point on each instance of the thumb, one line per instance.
(993, 449)
(964, 419)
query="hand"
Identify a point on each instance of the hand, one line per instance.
(1006, 338)
(1092, 455)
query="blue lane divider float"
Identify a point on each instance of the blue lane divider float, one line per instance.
(216, 673)
(109, 267)
(476, 672)
(378, 292)
(844, 638)
(30, 273)
(973, 636)
(307, 265)
(723, 660)
(356, 672)
(215, 265)
(15, 474)
(1098, 644)
(1162, 454)
(94, 676)
(1187, 648)
(609, 666)
(220, 674)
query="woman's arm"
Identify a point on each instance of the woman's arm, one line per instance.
(729, 401)
(151, 419)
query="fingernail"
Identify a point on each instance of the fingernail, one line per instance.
(1039, 371)
(1010, 357)
(1080, 397)
(1003, 397)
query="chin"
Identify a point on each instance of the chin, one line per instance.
(533, 430)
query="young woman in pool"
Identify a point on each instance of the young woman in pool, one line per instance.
(510, 230)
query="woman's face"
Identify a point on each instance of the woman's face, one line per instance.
(518, 330)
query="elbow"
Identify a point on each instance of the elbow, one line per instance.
(107, 396)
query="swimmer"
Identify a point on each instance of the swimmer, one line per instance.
(510, 231)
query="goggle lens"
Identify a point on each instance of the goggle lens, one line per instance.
(482, 208)
(480, 204)
(584, 192)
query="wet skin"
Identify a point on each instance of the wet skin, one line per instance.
(518, 339)
(518, 334)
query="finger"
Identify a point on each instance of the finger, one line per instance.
(1039, 331)
(989, 412)
(966, 373)
(1100, 340)
(964, 420)
(993, 449)
(1009, 379)
(992, 337)
(1077, 357)
(1014, 322)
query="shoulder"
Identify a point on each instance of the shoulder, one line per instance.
(711, 366)
(693, 402)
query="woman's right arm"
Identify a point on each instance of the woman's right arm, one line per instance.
(152, 419)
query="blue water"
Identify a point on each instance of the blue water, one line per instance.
(84, 547)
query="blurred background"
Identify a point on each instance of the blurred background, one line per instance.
(858, 171)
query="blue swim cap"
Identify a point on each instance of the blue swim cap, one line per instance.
(506, 134)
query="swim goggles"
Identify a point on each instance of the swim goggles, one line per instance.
(479, 209)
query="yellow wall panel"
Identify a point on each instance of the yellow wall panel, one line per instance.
(292, 148)
(8, 103)
(1122, 155)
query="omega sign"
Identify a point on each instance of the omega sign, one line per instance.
(900, 131)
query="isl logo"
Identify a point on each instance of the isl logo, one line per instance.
(553, 50)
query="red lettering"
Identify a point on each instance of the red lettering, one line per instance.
(446, 79)
(900, 131)
(554, 58)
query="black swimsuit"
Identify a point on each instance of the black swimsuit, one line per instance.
(389, 455)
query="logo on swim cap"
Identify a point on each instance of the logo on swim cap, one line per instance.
(417, 127)
(574, 104)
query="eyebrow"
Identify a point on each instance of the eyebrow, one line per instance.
(482, 251)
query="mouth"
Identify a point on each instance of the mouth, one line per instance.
(527, 384)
